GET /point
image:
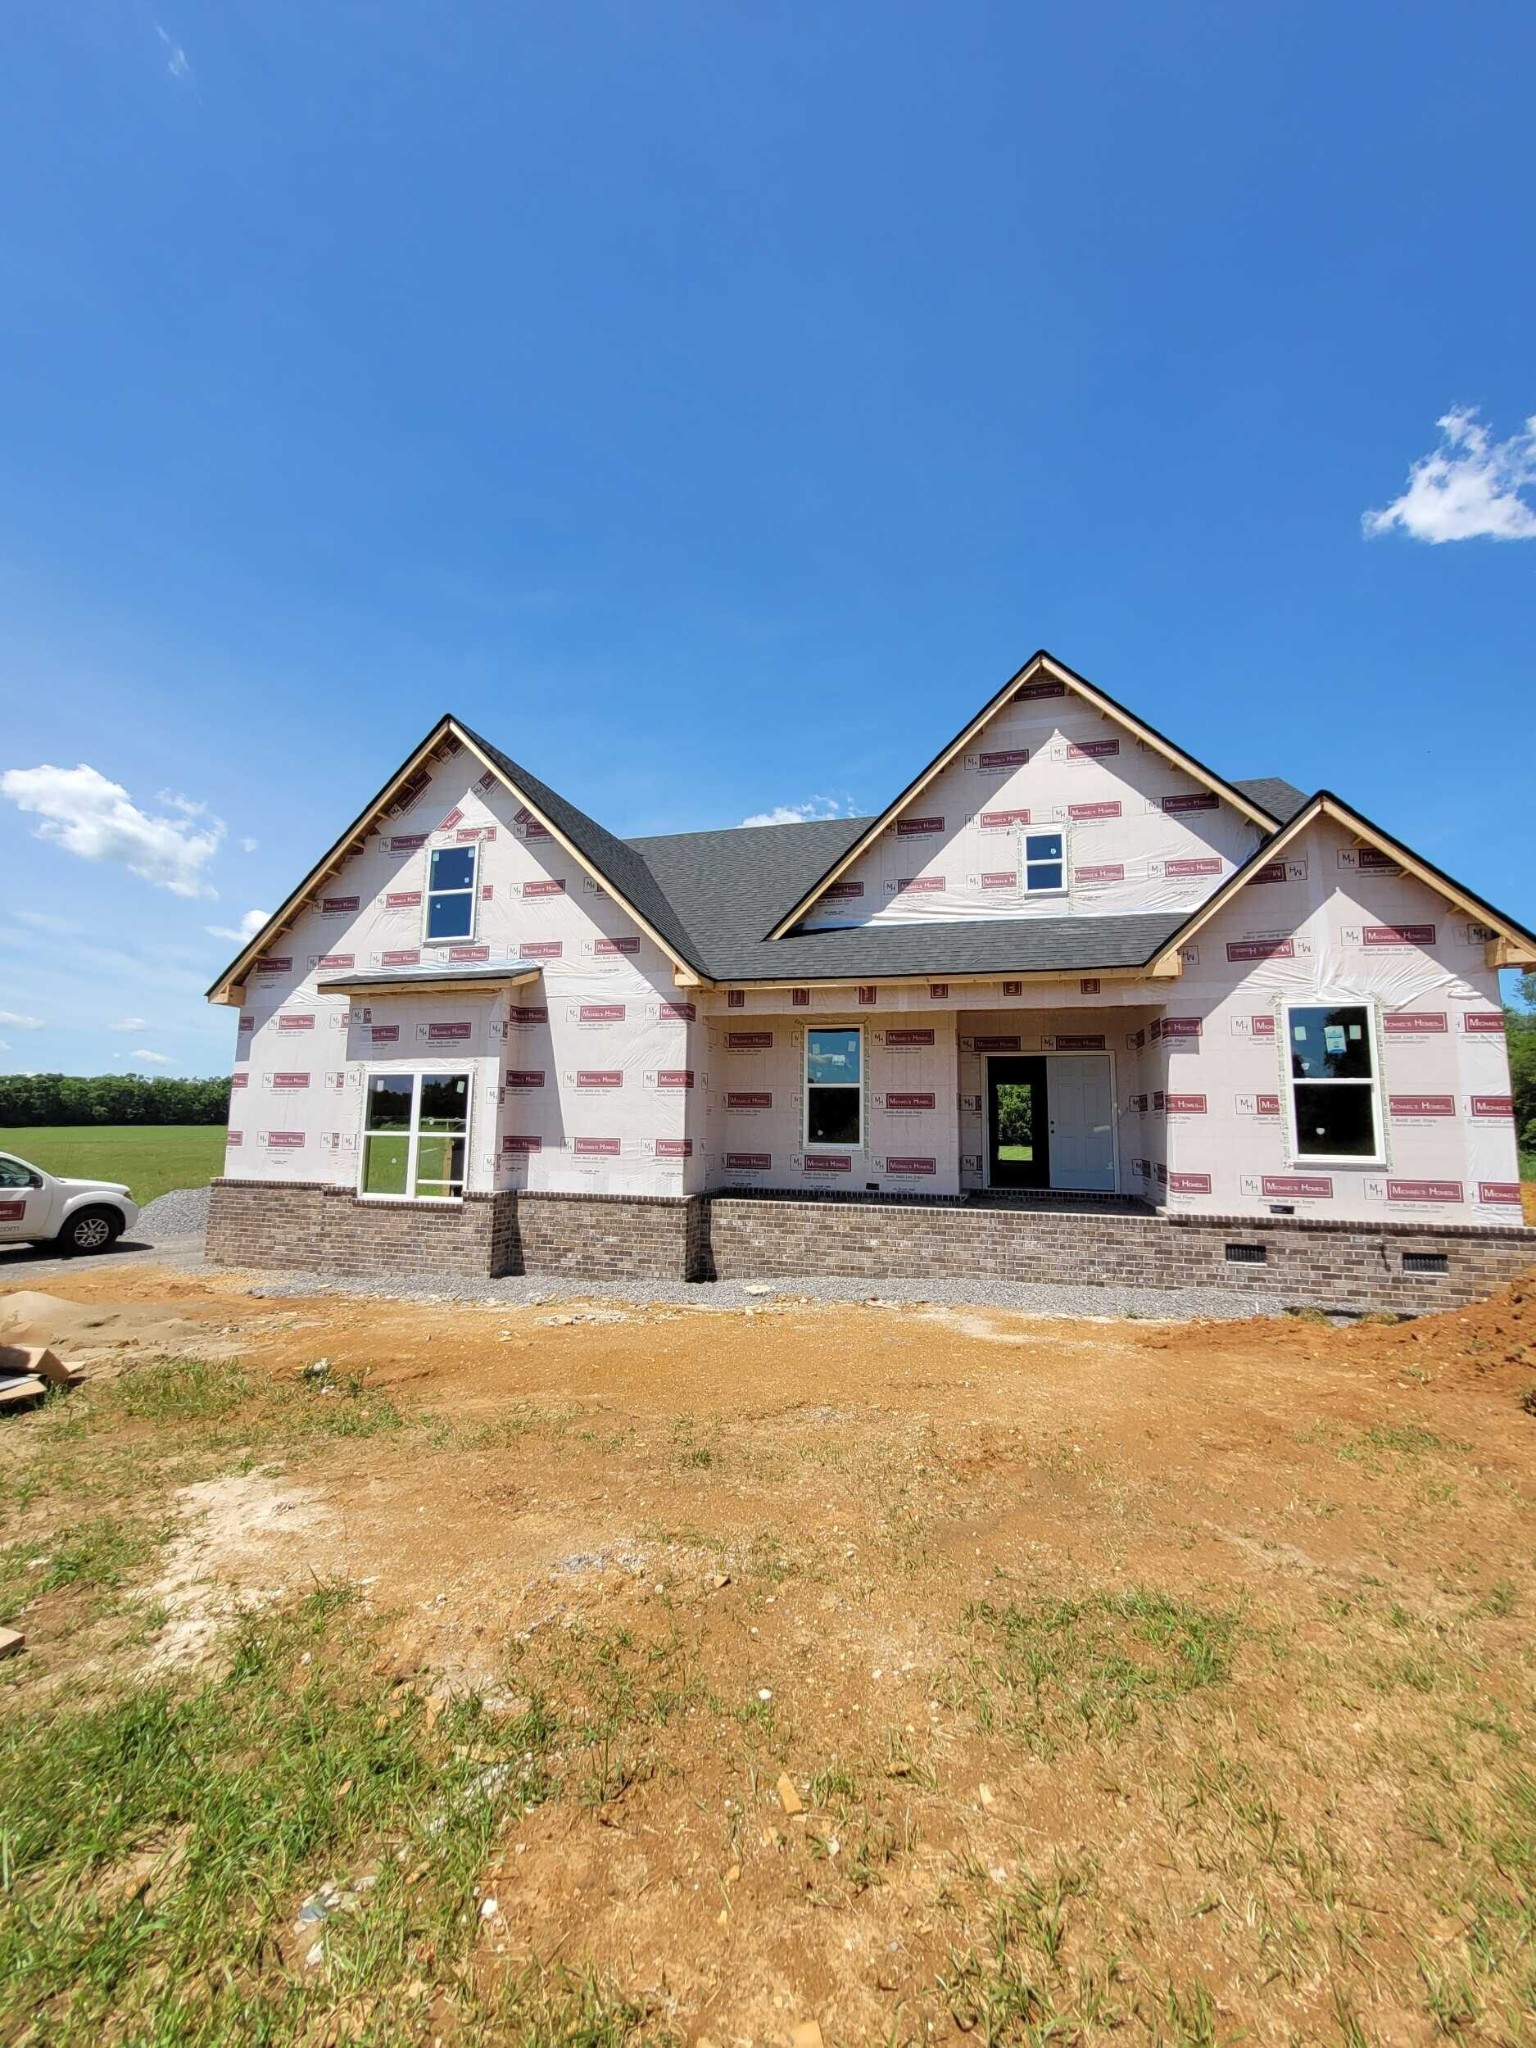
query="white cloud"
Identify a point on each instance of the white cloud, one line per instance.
(799, 814)
(247, 928)
(1468, 488)
(176, 61)
(88, 815)
(249, 845)
(129, 1024)
(19, 1023)
(42, 922)
(153, 1059)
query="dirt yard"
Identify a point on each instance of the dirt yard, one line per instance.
(720, 1677)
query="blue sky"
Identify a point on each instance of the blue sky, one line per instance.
(714, 405)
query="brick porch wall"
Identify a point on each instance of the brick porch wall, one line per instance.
(1309, 1262)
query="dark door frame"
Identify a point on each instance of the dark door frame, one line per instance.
(1033, 1069)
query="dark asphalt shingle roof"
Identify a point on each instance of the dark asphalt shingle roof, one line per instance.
(1281, 799)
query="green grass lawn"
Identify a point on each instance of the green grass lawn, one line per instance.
(150, 1157)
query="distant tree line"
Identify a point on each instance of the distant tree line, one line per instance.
(1521, 1026)
(38, 1099)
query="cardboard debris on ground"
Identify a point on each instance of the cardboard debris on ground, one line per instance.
(12, 1642)
(789, 1798)
(39, 1360)
(21, 1393)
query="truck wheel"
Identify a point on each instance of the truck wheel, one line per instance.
(90, 1230)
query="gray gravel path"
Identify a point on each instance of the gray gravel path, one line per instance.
(171, 1229)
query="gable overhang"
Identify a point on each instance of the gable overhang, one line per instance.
(1510, 946)
(1039, 664)
(229, 988)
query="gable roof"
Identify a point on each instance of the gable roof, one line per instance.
(608, 859)
(1281, 799)
(1512, 945)
(1040, 662)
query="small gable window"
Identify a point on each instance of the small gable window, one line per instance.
(1045, 863)
(451, 892)
(1333, 1082)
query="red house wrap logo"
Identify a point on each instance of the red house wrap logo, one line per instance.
(525, 1077)
(1001, 759)
(828, 1162)
(1493, 1105)
(402, 956)
(1000, 878)
(843, 892)
(1031, 693)
(528, 1013)
(920, 885)
(466, 955)
(1101, 871)
(402, 899)
(997, 1044)
(445, 1034)
(334, 960)
(799, 999)
(234, 1138)
(905, 1037)
(407, 842)
(1377, 935)
(677, 1013)
(748, 1098)
(748, 1162)
(290, 1080)
(1261, 949)
(540, 949)
(450, 818)
(240, 1080)
(1177, 1027)
(466, 834)
(298, 1020)
(999, 821)
(1185, 1105)
(601, 1013)
(599, 1077)
(1499, 1191)
(1424, 1191)
(907, 1099)
(1091, 750)
(672, 1148)
(283, 1141)
(748, 1041)
(1422, 1105)
(545, 888)
(1483, 1023)
(1303, 1187)
(247, 1021)
(606, 948)
(528, 825)
(1414, 1023)
(512, 1142)
(1189, 1183)
(596, 1148)
(275, 963)
(910, 1163)
(338, 906)
(1201, 866)
(384, 1034)
(1087, 814)
(918, 828)
(1193, 800)
(674, 1077)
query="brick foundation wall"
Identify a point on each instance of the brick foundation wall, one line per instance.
(702, 1237)
(1307, 1263)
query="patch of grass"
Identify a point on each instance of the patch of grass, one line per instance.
(1020, 1988)
(1044, 1669)
(155, 1851)
(170, 1390)
(150, 1158)
(97, 1554)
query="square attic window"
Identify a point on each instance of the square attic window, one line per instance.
(1045, 863)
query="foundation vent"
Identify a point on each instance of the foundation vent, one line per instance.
(1247, 1254)
(1426, 1262)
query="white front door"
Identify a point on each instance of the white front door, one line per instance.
(1082, 1121)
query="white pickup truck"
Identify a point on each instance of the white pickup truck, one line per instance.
(76, 1215)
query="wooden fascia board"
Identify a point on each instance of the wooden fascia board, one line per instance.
(604, 882)
(232, 979)
(429, 984)
(1104, 705)
(1325, 805)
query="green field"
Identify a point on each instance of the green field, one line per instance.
(150, 1157)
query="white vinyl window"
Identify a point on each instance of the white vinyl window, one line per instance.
(1044, 864)
(415, 1136)
(834, 1086)
(1335, 1096)
(452, 874)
